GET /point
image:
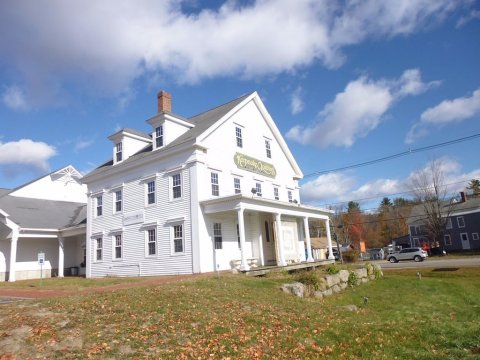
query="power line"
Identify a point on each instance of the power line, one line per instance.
(393, 156)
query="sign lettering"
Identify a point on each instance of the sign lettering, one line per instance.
(254, 165)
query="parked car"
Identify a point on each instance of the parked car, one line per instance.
(415, 253)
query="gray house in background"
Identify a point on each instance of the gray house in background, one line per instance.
(462, 232)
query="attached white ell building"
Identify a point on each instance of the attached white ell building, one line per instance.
(213, 192)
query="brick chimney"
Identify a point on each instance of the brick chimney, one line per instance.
(463, 196)
(164, 102)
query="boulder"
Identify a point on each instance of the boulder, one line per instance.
(327, 292)
(343, 285)
(297, 289)
(332, 280)
(318, 294)
(336, 289)
(322, 284)
(371, 277)
(350, 308)
(364, 280)
(361, 273)
(343, 275)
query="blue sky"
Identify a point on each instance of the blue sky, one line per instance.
(345, 81)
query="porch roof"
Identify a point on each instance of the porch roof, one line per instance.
(255, 203)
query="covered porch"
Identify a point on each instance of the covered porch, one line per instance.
(263, 233)
(20, 248)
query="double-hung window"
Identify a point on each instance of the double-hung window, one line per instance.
(460, 222)
(238, 135)
(290, 196)
(217, 236)
(177, 238)
(214, 182)
(118, 152)
(151, 242)
(236, 185)
(99, 205)
(447, 239)
(268, 149)
(275, 193)
(98, 249)
(159, 136)
(118, 246)
(118, 201)
(258, 188)
(176, 186)
(151, 192)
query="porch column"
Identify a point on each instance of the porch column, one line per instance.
(281, 260)
(329, 240)
(307, 238)
(61, 256)
(13, 255)
(241, 229)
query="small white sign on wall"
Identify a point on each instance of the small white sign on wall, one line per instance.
(41, 258)
(133, 217)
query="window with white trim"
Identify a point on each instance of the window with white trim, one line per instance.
(151, 192)
(449, 223)
(268, 149)
(177, 233)
(238, 136)
(447, 239)
(236, 185)
(118, 152)
(460, 221)
(159, 136)
(99, 205)
(151, 242)
(98, 249)
(258, 188)
(275, 193)
(176, 186)
(214, 182)
(290, 196)
(464, 236)
(118, 201)
(475, 236)
(217, 236)
(118, 245)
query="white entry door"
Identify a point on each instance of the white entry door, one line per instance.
(465, 241)
(268, 241)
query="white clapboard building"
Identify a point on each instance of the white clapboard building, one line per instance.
(46, 219)
(216, 191)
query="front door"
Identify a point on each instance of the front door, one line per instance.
(268, 241)
(465, 241)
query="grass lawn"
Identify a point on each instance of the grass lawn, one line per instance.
(232, 316)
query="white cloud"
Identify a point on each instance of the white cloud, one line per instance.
(326, 187)
(26, 153)
(337, 188)
(473, 15)
(358, 110)
(14, 98)
(81, 144)
(296, 101)
(448, 111)
(106, 45)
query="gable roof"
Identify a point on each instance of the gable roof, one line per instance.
(65, 168)
(43, 214)
(472, 205)
(202, 122)
(133, 132)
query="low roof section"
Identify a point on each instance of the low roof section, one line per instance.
(42, 214)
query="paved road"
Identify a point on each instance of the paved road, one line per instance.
(433, 263)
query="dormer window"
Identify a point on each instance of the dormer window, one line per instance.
(118, 152)
(159, 136)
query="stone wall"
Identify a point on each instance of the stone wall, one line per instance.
(335, 283)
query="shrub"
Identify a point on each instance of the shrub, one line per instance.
(370, 269)
(310, 279)
(352, 279)
(350, 256)
(332, 269)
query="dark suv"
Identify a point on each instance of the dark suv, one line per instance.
(415, 253)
